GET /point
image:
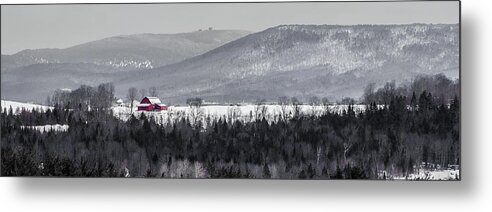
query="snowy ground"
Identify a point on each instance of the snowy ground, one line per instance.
(447, 174)
(18, 106)
(231, 112)
(244, 113)
(431, 172)
(48, 128)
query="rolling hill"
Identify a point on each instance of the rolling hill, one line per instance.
(126, 52)
(306, 60)
(31, 75)
(293, 60)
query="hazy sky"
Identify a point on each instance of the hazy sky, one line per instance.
(60, 26)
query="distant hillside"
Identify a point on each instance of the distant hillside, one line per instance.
(141, 51)
(36, 82)
(306, 60)
(290, 60)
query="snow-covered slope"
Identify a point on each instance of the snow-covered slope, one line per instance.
(18, 106)
(32, 75)
(291, 60)
(305, 60)
(141, 51)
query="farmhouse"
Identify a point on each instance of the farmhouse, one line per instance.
(151, 104)
(119, 102)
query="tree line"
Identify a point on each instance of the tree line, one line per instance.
(383, 141)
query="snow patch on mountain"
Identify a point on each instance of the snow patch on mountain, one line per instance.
(305, 60)
(128, 52)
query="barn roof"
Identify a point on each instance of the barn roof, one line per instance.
(153, 100)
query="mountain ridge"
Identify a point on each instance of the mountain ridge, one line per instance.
(329, 51)
(137, 51)
(301, 60)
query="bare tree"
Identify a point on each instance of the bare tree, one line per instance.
(314, 102)
(296, 106)
(388, 92)
(283, 101)
(318, 155)
(196, 115)
(143, 93)
(326, 104)
(104, 96)
(132, 94)
(194, 102)
(369, 93)
(346, 148)
(233, 113)
(48, 101)
(347, 101)
(260, 109)
(153, 91)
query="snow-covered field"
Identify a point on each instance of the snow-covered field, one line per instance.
(447, 174)
(431, 172)
(18, 106)
(48, 128)
(244, 113)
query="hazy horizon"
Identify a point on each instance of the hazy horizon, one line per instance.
(61, 26)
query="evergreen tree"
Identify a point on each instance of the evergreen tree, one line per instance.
(266, 172)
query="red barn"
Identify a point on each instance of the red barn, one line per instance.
(151, 104)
